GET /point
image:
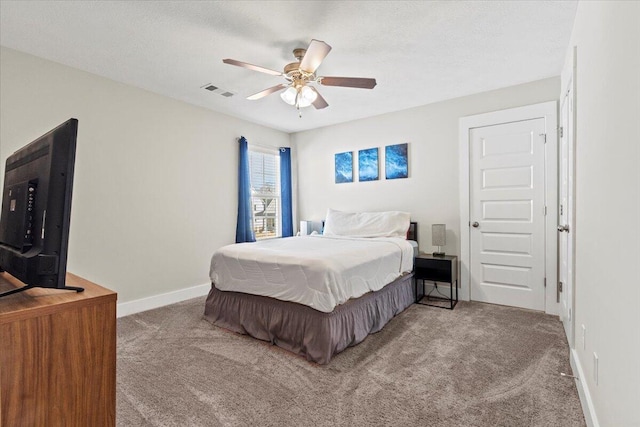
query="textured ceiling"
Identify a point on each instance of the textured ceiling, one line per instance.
(419, 52)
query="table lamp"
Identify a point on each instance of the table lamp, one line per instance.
(438, 237)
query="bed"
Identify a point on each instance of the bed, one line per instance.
(316, 295)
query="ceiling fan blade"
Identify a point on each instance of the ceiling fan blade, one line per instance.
(358, 82)
(251, 67)
(320, 102)
(316, 52)
(266, 92)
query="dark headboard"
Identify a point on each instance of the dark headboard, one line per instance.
(412, 233)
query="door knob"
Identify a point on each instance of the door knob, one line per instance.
(475, 224)
(562, 228)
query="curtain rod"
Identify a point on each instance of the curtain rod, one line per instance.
(273, 147)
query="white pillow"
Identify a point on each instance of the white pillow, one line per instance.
(367, 224)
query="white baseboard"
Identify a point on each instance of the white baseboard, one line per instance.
(583, 392)
(149, 303)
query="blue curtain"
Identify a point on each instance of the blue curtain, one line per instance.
(285, 191)
(244, 229)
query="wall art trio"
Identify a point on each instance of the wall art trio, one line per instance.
(396, 164)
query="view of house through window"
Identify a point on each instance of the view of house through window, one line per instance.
(264, 166)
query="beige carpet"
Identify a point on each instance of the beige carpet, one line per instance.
(478, 365)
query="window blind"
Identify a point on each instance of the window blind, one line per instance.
(264, 168)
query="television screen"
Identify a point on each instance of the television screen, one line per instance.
(36, 209)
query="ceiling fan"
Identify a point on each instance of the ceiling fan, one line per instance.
(299, 74)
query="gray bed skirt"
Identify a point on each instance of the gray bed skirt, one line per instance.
(304, 331)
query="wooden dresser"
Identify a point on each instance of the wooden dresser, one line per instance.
(57, 355)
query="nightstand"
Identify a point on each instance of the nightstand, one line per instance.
(436, 269)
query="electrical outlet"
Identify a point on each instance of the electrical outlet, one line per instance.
(584, 337)
(595, 367)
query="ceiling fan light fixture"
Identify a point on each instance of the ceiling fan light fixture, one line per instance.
(303, 103)
(308, 95)
(289, 96)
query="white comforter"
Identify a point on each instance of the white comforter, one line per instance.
(319, 271)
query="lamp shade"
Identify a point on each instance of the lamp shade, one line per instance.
(289, 96)
(438, 234)
(307, 96)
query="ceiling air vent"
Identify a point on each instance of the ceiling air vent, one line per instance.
(215, 89)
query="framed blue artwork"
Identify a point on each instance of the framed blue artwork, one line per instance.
(368, 164)
(344, 167)
(396, 161)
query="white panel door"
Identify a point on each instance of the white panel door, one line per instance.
(565, 215)
(507, 246)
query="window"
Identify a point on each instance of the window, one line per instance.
(264, 166)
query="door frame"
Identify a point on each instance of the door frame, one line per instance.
(568, 84)
(549, 112)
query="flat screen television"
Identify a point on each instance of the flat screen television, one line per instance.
(36, 210)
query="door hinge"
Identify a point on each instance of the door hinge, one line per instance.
(561, 209)
(545, 211)
(560, 286)
(545, 282)
(544, 136)
(561, 131)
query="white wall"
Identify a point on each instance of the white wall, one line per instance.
(155, 180)
(607, 280)
(431, 193)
